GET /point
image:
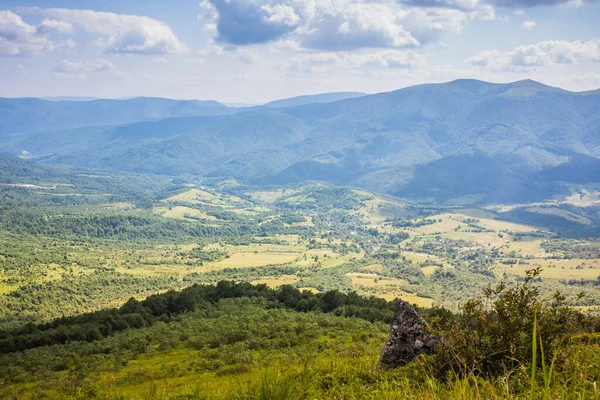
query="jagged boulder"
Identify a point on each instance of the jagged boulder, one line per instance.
(407, 339)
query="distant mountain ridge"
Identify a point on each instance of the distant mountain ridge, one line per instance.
(463, 141)
(22, 115)
(314, 98)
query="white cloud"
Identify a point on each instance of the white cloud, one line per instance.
(340, 25)
(197, 61)
(246, 56)
(519, 12)
(529, 25)
(587, 80)
(284, 45)
(327, 61)
(124, 33)
(160, 61)
(212, 49)
(387, 59)
(280, 14)
(358, 26)
(426, 24)
(18, 38)
(54, 26)
(99, 65)
(523, 58)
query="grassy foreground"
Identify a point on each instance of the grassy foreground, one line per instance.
(239, 341)
(346, 370)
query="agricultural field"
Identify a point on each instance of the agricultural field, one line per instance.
(313, 236)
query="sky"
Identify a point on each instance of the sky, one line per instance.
(253, 51)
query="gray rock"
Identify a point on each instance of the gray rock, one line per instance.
(407, 338)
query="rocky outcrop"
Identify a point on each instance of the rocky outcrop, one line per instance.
(407, 339)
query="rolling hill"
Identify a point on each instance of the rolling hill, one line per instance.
(469, 140)
(18, 115)
(314, 98)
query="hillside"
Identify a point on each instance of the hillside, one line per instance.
(21, 115)
(315, 98)
(465, 141)
(119, 285)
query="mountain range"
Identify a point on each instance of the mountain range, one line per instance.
(462, 142)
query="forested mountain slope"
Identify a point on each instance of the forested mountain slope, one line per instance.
(437, 142)
(19, 115)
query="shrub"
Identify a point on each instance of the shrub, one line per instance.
(492, 335)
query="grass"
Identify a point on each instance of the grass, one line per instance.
(559, 269)
(246, 260)
(270, 196)
(376, 210)
(531, 247)
(344, 371)
(386, 288)
(198, 196)
(276, 281)
(570, 216)
(586, 198)
(429, 270)
(181, 212)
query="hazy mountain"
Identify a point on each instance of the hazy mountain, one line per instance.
(459, 142)
(315, 98)
(68, 98)
(30, 114)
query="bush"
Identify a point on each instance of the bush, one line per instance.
(493, 334)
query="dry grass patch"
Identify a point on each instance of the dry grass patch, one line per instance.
(247, 260)
(373, 268)
(559, 269)
(386, 288)
(276, 281)
(531, 248)
(428, 271)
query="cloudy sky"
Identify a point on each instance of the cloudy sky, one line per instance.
(252, 51)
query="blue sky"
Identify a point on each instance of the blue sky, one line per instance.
(252, 51)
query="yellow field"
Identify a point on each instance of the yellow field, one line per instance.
(246, 260)
(277, 281)
(558, 269)
(310, 289)
(386, 288)
(449, 223)
(429, 270)
(481, 239)
(374, 280)
(498, 225)
(529, 248)
(6, 288)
